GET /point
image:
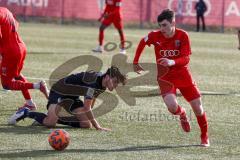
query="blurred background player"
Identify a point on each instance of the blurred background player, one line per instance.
(172, 50)
(89, 84)
(200, 8)
(13, 52)
(111, 14)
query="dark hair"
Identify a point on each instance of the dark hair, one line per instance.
(167, 14)
(113, 71)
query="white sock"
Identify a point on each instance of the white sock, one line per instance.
(36, 85)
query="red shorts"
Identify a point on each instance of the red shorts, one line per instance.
(189, 93)
(12, 63)
(117, 21)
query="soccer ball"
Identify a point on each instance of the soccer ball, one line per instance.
(59, 139)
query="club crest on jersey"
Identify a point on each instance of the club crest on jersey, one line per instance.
(177, 43)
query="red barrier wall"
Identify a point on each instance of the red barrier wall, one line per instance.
(227, 11)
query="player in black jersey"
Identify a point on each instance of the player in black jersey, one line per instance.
(64, 95)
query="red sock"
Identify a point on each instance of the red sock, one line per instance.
(179, 111)
(203, 124)
(101, 37)
(26, 94)
(122, 38)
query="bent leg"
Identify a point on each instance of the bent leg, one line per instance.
(52, 115)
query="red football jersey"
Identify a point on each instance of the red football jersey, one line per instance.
(10, 39)
(176, 48)
(113, 6)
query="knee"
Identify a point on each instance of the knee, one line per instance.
(197, 107)
(171, 103)
(198, 111)
(172, 109)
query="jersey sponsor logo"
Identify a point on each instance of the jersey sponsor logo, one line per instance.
(29, 3)
(169, 53)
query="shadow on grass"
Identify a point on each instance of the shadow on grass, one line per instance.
(44, 153)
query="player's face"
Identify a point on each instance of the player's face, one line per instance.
(166, 27)
(111, 83)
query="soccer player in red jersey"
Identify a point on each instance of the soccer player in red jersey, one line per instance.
(111, 14)
(13, 52)
(172, 51)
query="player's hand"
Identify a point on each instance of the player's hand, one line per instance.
(103, 129)
(166, 62)
(137, 68)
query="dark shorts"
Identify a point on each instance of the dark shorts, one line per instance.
(69, 103)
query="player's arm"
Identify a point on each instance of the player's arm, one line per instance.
(88, 110)
(136, 66)
(185, 50)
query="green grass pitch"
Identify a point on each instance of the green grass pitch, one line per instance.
(143, 131)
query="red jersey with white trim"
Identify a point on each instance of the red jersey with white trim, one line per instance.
(113, 7)
(176, 48)
(10, 40)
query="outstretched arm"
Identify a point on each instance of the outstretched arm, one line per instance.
(136, 67)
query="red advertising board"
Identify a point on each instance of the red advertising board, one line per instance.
(219, 11)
